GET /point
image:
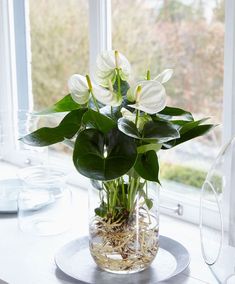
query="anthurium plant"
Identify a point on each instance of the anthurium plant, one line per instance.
(117, 129)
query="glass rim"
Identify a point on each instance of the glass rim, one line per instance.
(43, 175)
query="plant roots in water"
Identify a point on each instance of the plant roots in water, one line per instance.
(125, 246)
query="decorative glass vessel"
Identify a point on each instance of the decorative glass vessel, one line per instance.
(124, 224)
(217, 216)
(44, 201)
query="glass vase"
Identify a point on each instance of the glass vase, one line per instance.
(124, 224)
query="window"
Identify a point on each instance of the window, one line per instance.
(59, 46)
(185, 35)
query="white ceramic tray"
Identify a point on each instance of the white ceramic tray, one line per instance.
(74, 260)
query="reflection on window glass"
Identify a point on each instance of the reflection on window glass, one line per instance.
(188, 36)
(59, 44)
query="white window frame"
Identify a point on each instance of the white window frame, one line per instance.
(16, 82)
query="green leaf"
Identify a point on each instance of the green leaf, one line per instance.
(173, 111)
(190, 125)
(192, 133)
(147, 166)
(148, 147)
(46, 136)
(149, 203)
(104, 156)
(124, 87)
(94, 119)
(102, 210)
(64, 105)
(96, 184)
(128, 127)
(163, 131)
(179, 123)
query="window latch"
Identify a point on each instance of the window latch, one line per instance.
(179, 209)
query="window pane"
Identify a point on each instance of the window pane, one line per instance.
(187, 36)
(59, 43)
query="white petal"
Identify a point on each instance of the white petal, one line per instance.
(102, 77)
(152, 98)
(80, 97)
(127, 114)
(164, 76)
(125, 66)
(106, 65)
(77, 82)
(106, 97)
(131, 95)
(77, 85)
(106, 60)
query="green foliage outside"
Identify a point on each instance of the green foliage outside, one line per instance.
(187, 175)
(183, 174)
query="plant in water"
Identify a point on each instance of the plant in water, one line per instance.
(115, 131)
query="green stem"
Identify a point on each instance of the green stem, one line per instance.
(90, 89)
(118, 82)
(148, 75)
(134, 193)
(95, 102)
(123, 192)
(137, 117)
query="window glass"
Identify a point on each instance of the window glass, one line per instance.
(59, 44)
(187, 36)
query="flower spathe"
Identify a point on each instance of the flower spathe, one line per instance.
(164, 76)
(81, 89)
(149, 96)
(108, 64)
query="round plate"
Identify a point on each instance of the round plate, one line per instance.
(74, 259)
(9, 189)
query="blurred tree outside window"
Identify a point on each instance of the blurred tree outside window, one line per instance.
(188, 36)
(59, 46)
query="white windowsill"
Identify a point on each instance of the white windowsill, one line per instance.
(21, 253)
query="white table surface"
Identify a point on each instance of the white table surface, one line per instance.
(27, 259)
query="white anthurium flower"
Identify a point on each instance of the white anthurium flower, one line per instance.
(107, 64)
(132, 117)
(81, 89)
(150, 96)
(164, 76)
(106, 97)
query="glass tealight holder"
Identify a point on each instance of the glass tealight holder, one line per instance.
(44, 202)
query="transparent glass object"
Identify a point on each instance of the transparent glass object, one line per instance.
(44, 203)
(124, 225)
(217, 215)
(17, 125)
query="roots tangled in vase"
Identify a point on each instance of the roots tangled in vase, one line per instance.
(124, 246)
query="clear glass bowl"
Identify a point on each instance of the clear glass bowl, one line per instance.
(44, 203)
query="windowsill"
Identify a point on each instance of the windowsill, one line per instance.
(20, 254)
